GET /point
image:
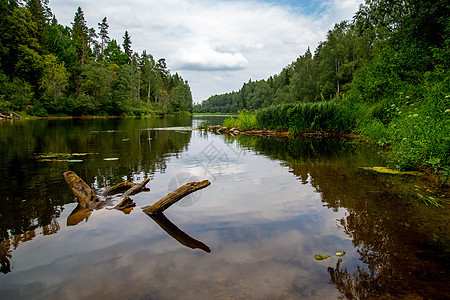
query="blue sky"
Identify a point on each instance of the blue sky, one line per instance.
(216, 45)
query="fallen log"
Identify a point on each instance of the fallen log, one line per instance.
(126, 205)
(119, 188)
(139, 187)
(85, 195)
(175, 196)
(175, 232)
(123, 187)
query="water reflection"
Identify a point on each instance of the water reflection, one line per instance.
(35, 194)
(177, 233)
(400, 241)
(272, 205)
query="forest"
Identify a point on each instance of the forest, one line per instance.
(386, 49)
(384, 75)
(50, 69)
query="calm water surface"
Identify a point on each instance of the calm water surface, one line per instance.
(271, 206)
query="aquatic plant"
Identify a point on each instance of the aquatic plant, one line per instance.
(330, 116)
(244, 121)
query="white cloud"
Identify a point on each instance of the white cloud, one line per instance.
(202, 57)
(205, 40)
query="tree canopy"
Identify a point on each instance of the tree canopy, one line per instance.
(387, 48)
(48, 68)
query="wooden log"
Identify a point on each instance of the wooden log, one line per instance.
(139, 187)
(119, 188)
(174, 196)
(175, 232)
(85, 195)
(126, 205)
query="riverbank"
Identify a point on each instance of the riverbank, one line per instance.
(414, 135)
(16, 116)
(218, 129)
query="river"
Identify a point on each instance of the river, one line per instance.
(273, 204)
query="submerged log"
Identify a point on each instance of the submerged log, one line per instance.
(85, 195)
(124, 187)
(175, 196)
(175, 232)
(137, 188)
(126, 205)
(119, 188)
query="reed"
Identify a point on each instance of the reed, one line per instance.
(329, 116)
(246, 120)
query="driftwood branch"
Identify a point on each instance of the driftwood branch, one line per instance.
(85, 195)
(87, 201)
(119, 188)
(136, 188)
(126, 205)
(175, 232)
(175, 196)
(125, 186)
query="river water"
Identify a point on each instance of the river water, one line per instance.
(272, 205)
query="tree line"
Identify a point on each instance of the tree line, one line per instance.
(47, 68)
(387, 48)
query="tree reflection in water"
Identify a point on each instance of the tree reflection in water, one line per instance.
(402, 243)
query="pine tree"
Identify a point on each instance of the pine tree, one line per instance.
(41, 15)
(80, 36)
(127, 46)
(103, 33)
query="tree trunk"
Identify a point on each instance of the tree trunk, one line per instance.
(174, 196)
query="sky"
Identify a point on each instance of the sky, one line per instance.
(216, 45)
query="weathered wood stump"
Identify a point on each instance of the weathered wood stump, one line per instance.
(85, 195)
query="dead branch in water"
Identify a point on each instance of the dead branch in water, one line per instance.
(171, 198)
(85, 195)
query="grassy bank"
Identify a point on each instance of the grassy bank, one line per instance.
(416, 133)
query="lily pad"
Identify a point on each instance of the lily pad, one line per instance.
(321, 257)
(340, 253)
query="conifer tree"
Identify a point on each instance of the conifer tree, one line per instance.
(80, 36)
(103, 34)
(127, 46)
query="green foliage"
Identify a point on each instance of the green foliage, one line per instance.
(244, 121)
(19, 94)
(299, 117)
(54, 79)
(416, 126)
(48, 68)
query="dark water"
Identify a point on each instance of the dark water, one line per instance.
(271, 206)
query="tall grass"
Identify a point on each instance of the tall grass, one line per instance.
(329, 116)
(244, 121)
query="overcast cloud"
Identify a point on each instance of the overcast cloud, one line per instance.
(216, 45)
